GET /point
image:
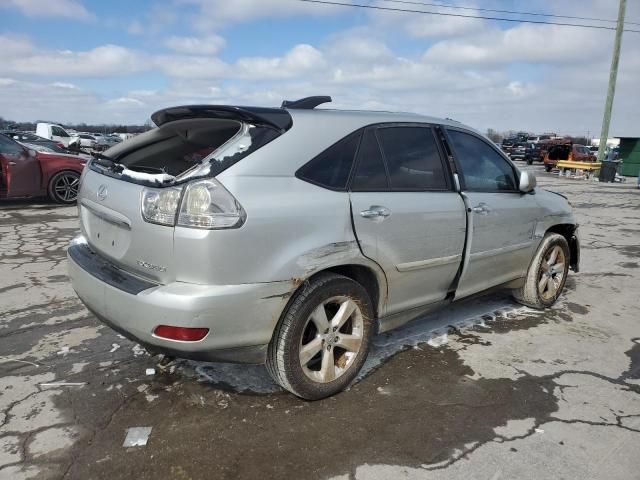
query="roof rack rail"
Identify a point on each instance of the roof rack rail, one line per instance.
(307, 103)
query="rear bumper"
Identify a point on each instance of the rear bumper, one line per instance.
(240, 318)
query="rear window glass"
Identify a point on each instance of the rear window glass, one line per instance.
(332, 167)
(413, 159)
(207, 148)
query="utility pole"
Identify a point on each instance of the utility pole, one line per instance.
(613, 74)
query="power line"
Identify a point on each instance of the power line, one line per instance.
(459, 15)
(512, 12)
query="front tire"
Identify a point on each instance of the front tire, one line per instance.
(323, 337)
(63, 187)
(548, 168)
(547, 273)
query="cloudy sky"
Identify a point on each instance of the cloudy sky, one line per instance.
(118, 61)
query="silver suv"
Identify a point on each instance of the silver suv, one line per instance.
(292, 235)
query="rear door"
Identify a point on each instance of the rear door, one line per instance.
(22, 175)
(502, 220)
(406, 215)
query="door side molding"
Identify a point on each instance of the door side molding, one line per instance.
(432, 262)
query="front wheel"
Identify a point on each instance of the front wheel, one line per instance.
(63, 187)
(548, 168)
(322, 338)
(547, 273)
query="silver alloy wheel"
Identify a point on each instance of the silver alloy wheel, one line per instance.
(331, 339)
(552, 273)
(66, 186)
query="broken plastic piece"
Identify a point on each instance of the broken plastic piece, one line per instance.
(114, 347)
(137, 436)
(150, 371)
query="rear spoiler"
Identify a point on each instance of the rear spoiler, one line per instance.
(277, 118)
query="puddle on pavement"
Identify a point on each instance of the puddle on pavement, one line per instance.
(634, 356)
(493, 313)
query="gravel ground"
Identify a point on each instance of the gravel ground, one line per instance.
(486, 389)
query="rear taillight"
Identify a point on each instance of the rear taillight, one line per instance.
(207, 204)
(204, 204)
(181, 334)
(159, 205)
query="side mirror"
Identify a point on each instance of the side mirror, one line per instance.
(32, 153)
(527, 181)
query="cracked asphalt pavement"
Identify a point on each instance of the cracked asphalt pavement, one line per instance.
(486, 389)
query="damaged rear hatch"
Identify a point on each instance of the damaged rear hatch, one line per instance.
(134, 194)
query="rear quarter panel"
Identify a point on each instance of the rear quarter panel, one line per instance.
(293, 229)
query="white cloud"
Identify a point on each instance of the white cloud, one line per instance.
(208, 45)
(23, 58)
(180, 66)
(50, 8)
(213, 14)
(542, 44)
(299, 60)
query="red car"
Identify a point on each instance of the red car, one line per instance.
(26, 173)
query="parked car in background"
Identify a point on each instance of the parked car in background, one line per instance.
(54, 132)
(31, 138)
(27, 173)
(87, 141)
(540, 138)
(533, 153)
(508, 145)
(233, 234)
(518, 151)
(107, 141)
(570, 152)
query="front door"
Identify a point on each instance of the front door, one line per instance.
(23, 175)
(406, 215)
(501, 219)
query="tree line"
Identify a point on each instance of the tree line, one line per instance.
(6, 124)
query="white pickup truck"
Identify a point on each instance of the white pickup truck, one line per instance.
(54, 132)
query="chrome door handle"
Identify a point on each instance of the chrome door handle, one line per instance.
(13, 164)
(375, 211)
(481, 209)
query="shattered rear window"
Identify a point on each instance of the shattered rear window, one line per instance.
(180, 154)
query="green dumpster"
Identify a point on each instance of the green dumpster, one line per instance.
(630, 156)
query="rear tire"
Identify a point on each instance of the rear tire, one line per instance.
(548, 168)
(547, 273)
(63, 187)
(323, 337)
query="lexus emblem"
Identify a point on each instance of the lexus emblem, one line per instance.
(102, 192)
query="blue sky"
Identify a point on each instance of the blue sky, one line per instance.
(118, 61)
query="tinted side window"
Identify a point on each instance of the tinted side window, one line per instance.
(483, 169)
(412, 157)
(9, 146)
(371, 174)
(332, 167)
